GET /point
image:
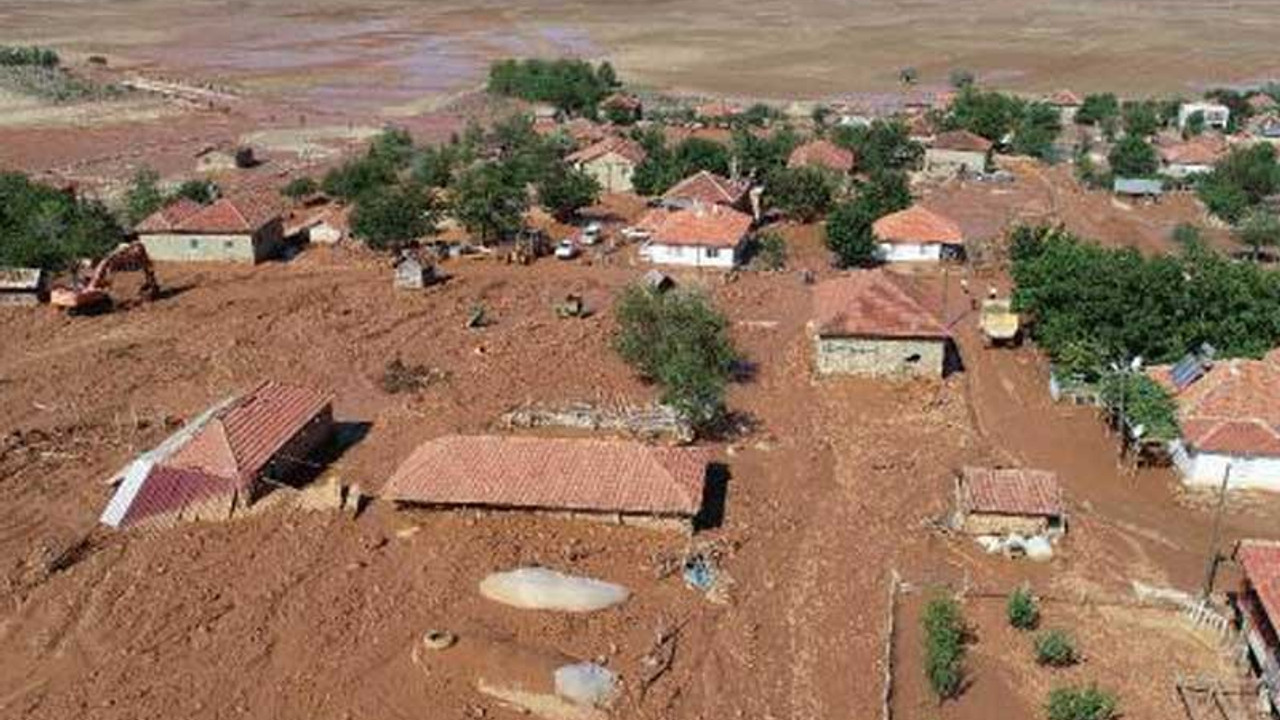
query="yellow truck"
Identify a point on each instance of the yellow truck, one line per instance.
(1000, 325)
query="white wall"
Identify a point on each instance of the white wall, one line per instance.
(1206, 469)
(1180, 170)
(692, 256)
(910, 252)
(938, 160)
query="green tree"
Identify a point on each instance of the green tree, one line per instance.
(944, 646)
(1133, 157)
(358, 177)
(962, 79)
(1260, 229)
(1240, 181)
(848, 230)
(1195, 124)
(299, 188)
(1188, 236)
(992, 115)
(696, 153)
(564, 191)
(487, 203)
(200, 191)
(395, 217)
(1141, 118)
(1022, 609)
(803, 193)
(144, 197)
(1055, 649)
(762, 156)
(908, 76)
(574, 87)
(882, 145)
(681, 342)
(1097, 109)
(46, 227)
(1036, 130)
(1080, 703)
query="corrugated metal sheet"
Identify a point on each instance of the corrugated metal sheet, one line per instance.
(552, 473)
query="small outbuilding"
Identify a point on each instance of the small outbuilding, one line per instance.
(413, 273)
(1008, 501)
(957, 152)
(917, 234)
(1150, 188)
(620, 481)
(865, 324)
(23, 287)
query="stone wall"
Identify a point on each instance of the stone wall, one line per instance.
(880, 356)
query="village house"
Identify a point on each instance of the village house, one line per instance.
(1140, 188)
(1067, 104)
(707, 188)
(611, 162)
(328, 224)
(1257, 612)
(224, 460)
(1008, 501)
(1195, 156)
(865, 324)
(247, 229)
(823, 154)
(621, 481)
(917, 234)
(1229, 412)
(23, 286)
(1216, 115)
(957, 152)
(704, 236)
(412, 272)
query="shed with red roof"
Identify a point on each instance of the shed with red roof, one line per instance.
(917, 234)
(625, 481)
(864, 323)
(247, 228)
(1008, 501)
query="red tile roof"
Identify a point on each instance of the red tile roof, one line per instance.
(552, 473)
(1010, 491)
(1233, 409)
(707, 187)
(1203, 150)
(242, 438)
(917, 224)
(1064, 98)
(718, 109)
(1260, 560)
(171, 490)
(1262, 101)
(868, 303)
(625, 148)
(169, 217)
(961, 140)
(715, 226)
(822, 153)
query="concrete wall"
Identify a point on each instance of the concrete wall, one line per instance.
(613, 172)
(190, 247)
(879, 356)
(692, 256)
(950, 162)
(1200, 469)
(910, 252)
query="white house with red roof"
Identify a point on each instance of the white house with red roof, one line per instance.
(703, 236)
(864, 323)
(611, 162)
(917, 234)
(246, 229)
(1067, 103)
(1229, 413)
(1257, 611)
(219, 462)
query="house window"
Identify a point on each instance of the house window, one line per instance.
(195, 243)
(713, 252)
(228, 244)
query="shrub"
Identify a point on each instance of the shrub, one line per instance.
(394, 217)
(680, 341)
(200, 191)
(1022, 609)
(299, 188)
(803, 193)
(1076, 703)
(944, 646)
(28, 57)
(47, 227)
(770, 251)
(573, 86)
(564, 191)
(1055, 649)
(1133, 157)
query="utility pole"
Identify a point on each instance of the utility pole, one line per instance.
(1212, 569)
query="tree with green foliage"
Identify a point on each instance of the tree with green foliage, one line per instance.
(1037, 128)
(884, 193)
(663, 167)
(49, 228)
(882, 145)
(199, 190)
(962, 79)
(357, 177)
(908, 76)
(1022, 609)
(299, 188)
(768, 251)
(144, 196)
(1055, 649)
(30, 56)
(1097, 109)
(1080, 703)
(848, 229)
(944, 637)
(696, 153)
(1188, 236)
(762, 156)
(394, 217)
(1259, 230)
(1141, 118)
(803, 193)
(1133, 157)
(1195, 124)
(681, 342)
(1240, 181)
(488, 203)
(565, 190)
(993, 115)
(574, 87)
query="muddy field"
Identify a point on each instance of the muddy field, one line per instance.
(831, 486)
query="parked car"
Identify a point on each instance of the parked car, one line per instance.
(591, 233)
(566, 250)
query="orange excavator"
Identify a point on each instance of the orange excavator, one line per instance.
(92, 296)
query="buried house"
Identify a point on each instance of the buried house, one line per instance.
(1008, 501)
(621, 481)
(864, 324)
(225, 459)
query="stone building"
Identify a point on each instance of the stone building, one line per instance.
(958, 152)
(1008, 501)
(611, 162)
(247, 229)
